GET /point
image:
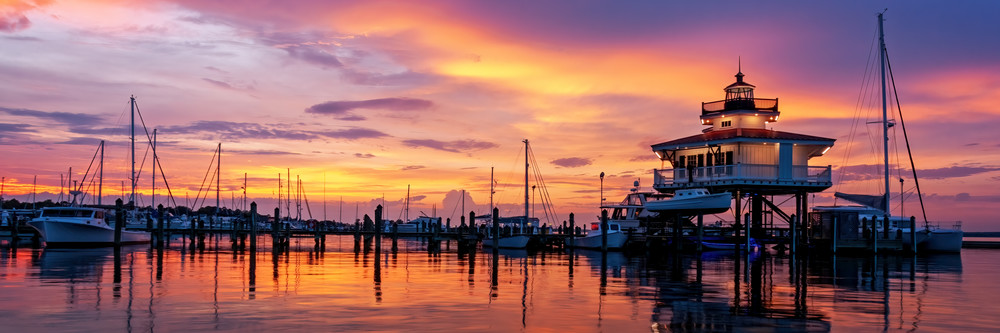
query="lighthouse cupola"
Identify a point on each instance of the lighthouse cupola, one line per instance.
(740, 109)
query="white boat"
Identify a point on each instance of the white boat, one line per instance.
(508, 242)
(81, 226)
(943, 240)
(592, 240)
(692, 201)
(629, 213)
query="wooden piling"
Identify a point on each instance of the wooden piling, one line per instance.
(913, 234)
(119, 221)
(572, 231)
(795, 233)
(253, 227)
(496, 232)
(604, 230)
(701, 231)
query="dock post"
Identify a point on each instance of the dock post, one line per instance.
(378, 229)
(874, 234)
(795, 233)
(119, 221)
(472, 223)
(14, 230)
(913, 234)
(604, 230)
(159, 222)
(836, 229)
(572, 231)
(701, 231)
(496, 232)
(448, 225)
(274, 223)
(253, 227)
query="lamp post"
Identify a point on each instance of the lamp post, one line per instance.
(602, 188)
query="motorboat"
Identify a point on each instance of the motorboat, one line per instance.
(631, 211)
(592, 240)
(81, 226)
(692, 201)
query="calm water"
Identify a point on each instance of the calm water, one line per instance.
(413, 289)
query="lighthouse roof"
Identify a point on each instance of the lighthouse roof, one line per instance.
(741, 135)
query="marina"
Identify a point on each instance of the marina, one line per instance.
(677, 196)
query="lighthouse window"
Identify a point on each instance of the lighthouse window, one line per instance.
(727, 123)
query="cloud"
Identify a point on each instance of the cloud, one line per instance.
(873, 171)
(77, 119)
(14, 131)
(572, 162)
(12, 17)
(355, 133)
(412, 167)
(954, 172)
(341, 109)
(228, 130)
(457, 146)
(365, 155)
(82, 141)
(219, 84)
(314, 55)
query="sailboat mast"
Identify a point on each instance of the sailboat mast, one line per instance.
(100, 179)
(218, 180)
(406, 214)
(525, 220)
(132, 139)
(885, 115)
(152, 200)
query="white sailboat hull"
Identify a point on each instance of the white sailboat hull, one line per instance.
(616, 240)
(63, 233)
(943, 240)
(510, 242)
(708, 204)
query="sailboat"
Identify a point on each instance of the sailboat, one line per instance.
(518, 239)
(87, 226)
(928, 238)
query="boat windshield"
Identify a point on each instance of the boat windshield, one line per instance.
(67, 213)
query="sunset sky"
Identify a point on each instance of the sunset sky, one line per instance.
(368, 97)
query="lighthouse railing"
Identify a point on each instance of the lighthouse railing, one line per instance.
(739, 172)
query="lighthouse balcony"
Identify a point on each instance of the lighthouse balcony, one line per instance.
(760, 105)
(739, 175)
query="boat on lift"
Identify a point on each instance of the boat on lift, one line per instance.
(694, 201)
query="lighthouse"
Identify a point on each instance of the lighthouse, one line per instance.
(738, 151)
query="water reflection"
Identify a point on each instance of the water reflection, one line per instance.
(352, 284)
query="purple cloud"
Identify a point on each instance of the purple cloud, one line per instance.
(365, 155)
(457, 146)
(572, 162)
(412, 167)
(342, 108)
(314, 55)
(13, 22)
(873, 171)
(61, 117)
(354, 133)
(234, 131)
(219, 84)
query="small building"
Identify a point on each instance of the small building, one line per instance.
(740, 153)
